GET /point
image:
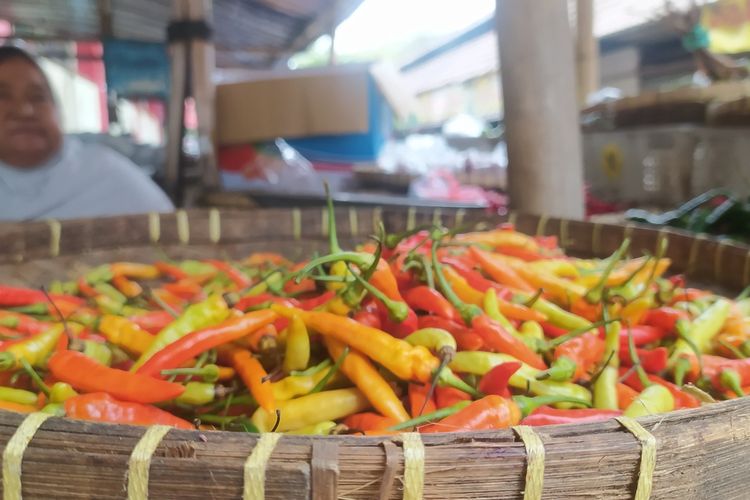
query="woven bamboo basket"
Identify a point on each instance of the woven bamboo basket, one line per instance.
(685, 454)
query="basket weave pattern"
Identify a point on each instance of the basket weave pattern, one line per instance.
(699, 453)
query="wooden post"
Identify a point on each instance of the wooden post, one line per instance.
(178, 52)
(587, 51)
(332, 33)
(541, 111)
(202, 64)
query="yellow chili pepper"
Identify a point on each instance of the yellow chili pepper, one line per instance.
(299, 385)
(323, 428)
(13, 395)
(297, 346)
(407, 362)
(125, 334)
(501, 238)
(311, 409)
(558, 267)
(462, 288)
(61, 392)
(366, 377)
(34, 350)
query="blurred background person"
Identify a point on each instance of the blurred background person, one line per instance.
(44, 174)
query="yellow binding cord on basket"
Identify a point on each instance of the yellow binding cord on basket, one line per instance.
(413, 466)
(746, 274)
(154, 227)
(297, 223)
(596, 239)
(460, 214)
(140, 461)
(534, 461)
(411, 218)
(353, 221)
(541, 225)
(13, 454)
(648, 456)
(255, 467)
(214, 225)
(55, 232)
(183, 226)
(693, 256)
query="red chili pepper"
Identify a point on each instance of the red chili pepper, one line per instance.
(417, 398)
(246, 303)
(496, 338)
(681, 398)
(664, 318)
(153, 321)
(185, 289)
(466, 340)
(448, 396)
(101, 407)
(652, 360)
(642, 335)
(369, 318)
(551, 330)
(426, 299)
(239, 278)
(545, 415)
(11, 296)
(85, 289)
(23, 323)
(304, 286)
(547, 242)
(495, 381)
(313, 302)
(193, 344)
(585, 351)
(397, 329)
(404, 278)
(89, 375)
(171, 270)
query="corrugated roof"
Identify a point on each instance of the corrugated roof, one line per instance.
(251, 33)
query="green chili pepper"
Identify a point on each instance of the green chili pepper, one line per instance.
(98, 351)
(731, 380)
(561, 370)
(702, 331)
(653, 399)
(109, 291)
(56, 409)
(61, 392)
(20, 396)
(479, 363)
(200, 393)
(208, 373)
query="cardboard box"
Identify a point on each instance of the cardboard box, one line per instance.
(333, 114)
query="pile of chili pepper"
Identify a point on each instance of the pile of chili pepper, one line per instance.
(433, 330)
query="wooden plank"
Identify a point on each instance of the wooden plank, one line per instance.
(541, 111)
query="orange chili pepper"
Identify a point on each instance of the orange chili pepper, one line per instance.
(365, 376)
(625, 395)
(369, 422)
(448, 396)
(16, 407)
(417, 398)
(135, 270)
(128, 288)
(490, 412)
(253, 375)
(499, 270)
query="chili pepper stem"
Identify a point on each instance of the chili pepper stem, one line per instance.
(467, 311)
(397, 311)
(35, 377)
(336, 366)
(430, 417)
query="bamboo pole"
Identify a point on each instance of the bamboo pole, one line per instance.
(541, 110)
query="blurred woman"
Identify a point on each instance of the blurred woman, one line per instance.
(45, 175)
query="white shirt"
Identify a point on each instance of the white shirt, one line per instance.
(82, 180)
